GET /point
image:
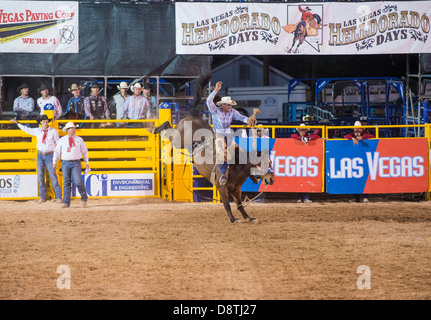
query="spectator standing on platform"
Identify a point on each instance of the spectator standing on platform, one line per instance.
(357, 135)
(23, 105)
(136, 107)
(75, 105)
(48, 102)
(118, 100)
(95, 105)
(46, 138)
(151, 99)
(69, 149)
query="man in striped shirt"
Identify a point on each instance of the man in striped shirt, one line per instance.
(47, 138)
(222, 118)
(136, 106)
(23, 106)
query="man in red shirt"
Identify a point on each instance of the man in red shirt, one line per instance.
(357, 135)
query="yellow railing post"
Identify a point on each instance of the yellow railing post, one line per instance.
(165, 155)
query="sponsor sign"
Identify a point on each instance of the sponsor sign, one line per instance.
(108, 185)
(297, 167)
(303, 28)
(39, 26)
(377, 166)
(18, 186)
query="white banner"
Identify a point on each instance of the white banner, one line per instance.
(39, 26)
(121, 184)
(303, 28)
(18, 186)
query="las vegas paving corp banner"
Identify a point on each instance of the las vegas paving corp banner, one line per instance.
(297, 167)
(303, 28)
(39, 26)
(377, 166)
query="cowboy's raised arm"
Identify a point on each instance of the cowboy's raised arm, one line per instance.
(210, 100)
(31, 131)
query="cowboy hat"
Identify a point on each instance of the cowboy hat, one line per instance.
(94, 85)
(136, 85)
(24, 85)
(226, 100)
(43, 87)
(74, 86)
(358, 124)
(69, 125)
(308, 117)
(123, 85)
(302, 126)
(147, 86)
(43, 117)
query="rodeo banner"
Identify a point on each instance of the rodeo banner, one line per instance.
(39, 26)
(303, 28)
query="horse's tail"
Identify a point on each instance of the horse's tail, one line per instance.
(199, 92)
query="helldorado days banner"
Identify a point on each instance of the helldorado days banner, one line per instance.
(39, 26)
(303, 28)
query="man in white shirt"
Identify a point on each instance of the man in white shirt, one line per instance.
(69, 148)
(47, 138)
(48, 102)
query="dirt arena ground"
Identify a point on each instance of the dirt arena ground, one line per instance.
(152, 249)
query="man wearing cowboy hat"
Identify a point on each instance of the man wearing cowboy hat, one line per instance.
(23, 105)
(357, 135)
(75, 105)
(95, 105)
(303, 134)
(69, 148)
(46, 138)
(136, 106)
(48, 102)
(222, 119)
(118, 100)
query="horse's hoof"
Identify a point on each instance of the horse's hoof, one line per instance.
(235, 221)
(253, 220)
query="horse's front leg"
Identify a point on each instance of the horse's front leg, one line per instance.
(236, 194)
(224, 196)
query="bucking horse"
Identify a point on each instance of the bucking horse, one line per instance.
(239, 171)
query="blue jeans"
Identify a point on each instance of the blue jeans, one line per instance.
(45, 161)
(72, 173)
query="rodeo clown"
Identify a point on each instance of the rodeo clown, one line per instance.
(222, 118)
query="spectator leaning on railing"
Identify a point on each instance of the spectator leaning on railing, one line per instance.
(357, 135)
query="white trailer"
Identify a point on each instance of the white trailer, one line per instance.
(269, 100)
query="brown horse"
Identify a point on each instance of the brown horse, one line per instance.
(238, 173)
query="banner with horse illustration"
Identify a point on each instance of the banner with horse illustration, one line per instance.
(303, 28)
(39, 26)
